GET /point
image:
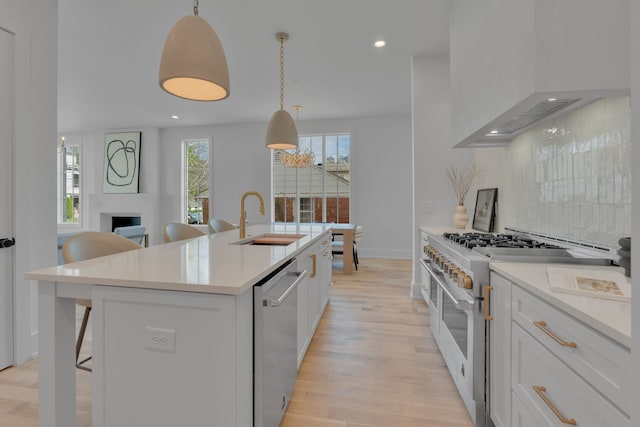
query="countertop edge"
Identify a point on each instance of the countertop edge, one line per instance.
(591, 321)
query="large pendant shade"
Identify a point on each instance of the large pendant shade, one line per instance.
(282, 133)
(193, 64)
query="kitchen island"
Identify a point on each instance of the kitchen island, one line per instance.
(173, 331)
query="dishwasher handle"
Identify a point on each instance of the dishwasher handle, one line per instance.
(278, 302)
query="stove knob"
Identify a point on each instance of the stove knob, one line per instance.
(465, 281)
(455, 273)
(452, 268)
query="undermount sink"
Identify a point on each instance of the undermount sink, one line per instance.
(271, 239)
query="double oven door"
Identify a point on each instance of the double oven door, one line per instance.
(451, 313)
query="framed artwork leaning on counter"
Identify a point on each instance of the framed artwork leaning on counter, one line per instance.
(485, 212)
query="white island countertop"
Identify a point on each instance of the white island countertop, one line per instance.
(611, 318)
(208, 264)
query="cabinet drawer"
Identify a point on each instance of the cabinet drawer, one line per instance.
(521, 417)
(600, 361)
(535, 366)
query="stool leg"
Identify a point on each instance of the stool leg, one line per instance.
(83, 328)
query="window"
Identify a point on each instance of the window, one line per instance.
(320, 192)
(69, 184)
(196, 181)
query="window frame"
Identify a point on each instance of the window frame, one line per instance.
(61, 178)
(298, 195)
(184, 196)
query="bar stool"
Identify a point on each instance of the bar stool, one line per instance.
(174, 231)
(87, 245)
(219, 225)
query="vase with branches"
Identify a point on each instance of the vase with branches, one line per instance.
(461, 180)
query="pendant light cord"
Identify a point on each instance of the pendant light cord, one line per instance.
(195, 7)
(282, 73)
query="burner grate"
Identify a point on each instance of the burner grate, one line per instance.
(471, 240)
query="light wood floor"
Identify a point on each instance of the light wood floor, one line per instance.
(372, 362)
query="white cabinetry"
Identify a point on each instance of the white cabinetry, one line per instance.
(499, 358)
(556, 369)
(325, 274)
(152, 346)
(306, 261)
(313, 292)
(511, 53)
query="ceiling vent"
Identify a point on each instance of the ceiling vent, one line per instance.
(532, 115)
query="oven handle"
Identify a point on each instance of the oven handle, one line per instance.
(459, 304)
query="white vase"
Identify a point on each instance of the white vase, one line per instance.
(460, 218)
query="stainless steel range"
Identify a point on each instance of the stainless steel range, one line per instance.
(457, 272)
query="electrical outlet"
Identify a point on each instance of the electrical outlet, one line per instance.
(161, 339)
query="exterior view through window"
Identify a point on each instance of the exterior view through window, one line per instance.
(319, 192)
(69, 184)
(196, 181)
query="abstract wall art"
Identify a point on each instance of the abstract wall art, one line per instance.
(121, 162)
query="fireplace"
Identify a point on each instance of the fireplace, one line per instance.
(124, 221)
(107, 211)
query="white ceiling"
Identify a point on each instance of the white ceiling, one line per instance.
(109, 52)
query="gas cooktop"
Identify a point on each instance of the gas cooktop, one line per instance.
(483, 240)
(515, 248)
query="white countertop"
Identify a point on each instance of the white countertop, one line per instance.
(209, 264)
(611, 318)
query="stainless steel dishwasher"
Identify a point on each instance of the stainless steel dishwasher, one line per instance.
(275, 331)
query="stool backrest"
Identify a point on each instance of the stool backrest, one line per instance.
(174, 231)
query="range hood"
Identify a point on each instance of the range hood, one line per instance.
(571, 52)
(533, 111)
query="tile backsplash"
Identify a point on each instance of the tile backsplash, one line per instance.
(570, 177)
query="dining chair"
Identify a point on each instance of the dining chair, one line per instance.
(219, 225)
(174, 231)
(87, 245)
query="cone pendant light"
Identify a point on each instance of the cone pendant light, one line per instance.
(193, 65)
(282, 133)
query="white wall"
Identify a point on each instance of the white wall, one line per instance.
(35, 26)
(381, 176)
(434, 199)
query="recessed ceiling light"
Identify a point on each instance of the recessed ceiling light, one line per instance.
(494, 131)
(552, 99)
(380, 43)
(175, 117)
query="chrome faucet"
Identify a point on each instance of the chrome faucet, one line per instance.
(243, 214)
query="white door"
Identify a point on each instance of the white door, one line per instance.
(6, 198)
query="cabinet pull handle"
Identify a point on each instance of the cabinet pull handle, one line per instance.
(313, 259)
(485, 294)
(543, 326)
(540, 390)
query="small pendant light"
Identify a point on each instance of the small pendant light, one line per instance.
(282, 133)
(193, 65)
